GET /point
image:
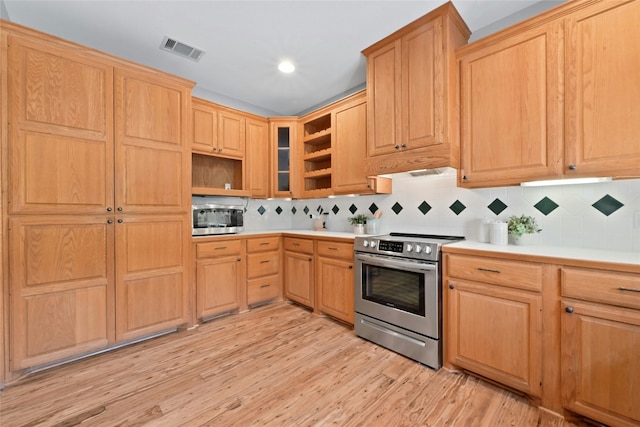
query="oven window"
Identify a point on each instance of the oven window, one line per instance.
(394, 288)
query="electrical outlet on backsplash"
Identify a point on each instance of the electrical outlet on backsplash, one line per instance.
(595, 216)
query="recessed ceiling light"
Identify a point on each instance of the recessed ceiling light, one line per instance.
(286, 67)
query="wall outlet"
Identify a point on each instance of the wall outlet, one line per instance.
(636, 219)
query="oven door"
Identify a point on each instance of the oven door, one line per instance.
(399, 291)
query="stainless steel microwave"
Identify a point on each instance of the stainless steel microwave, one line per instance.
(217, 219)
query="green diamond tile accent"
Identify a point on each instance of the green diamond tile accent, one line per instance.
(497, 206)
(373, 208)
(335, 209)
(294, 210)
(546, 206)
(457, 207)
(607, 205)
(397, 207)
(353, 208)
(306, 210)
(424, 207)
(278, 210)
(261, 210)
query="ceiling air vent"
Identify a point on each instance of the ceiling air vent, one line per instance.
(182, 49)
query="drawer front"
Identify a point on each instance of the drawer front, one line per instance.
(263, 244)
(515, 274)
(214, 249)
(263, 289)
(262, 264)
(601, 286)
(298, 245)
(335, 250)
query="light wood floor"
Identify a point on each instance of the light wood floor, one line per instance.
(278, 365)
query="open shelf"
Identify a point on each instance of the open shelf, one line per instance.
(209, 174)
(319, 155)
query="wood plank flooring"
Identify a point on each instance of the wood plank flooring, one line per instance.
(278, 365)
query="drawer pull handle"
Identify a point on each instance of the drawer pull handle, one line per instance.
(264, 261)
(264, 243)
(220, 247)
(488, 270)
(333, 249)
(621, 288)
(265, 286)
(296, 244)
(569, 310)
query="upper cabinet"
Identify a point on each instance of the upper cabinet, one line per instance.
(603, 90)
(553, 97)
(283, 149)
(511, 107)
(217, 131)
(258, 163)
(411, 95)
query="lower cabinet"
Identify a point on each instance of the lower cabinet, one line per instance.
(298, 269)
(263, 270)
(335, 280)
(495, 327)
(219, 277)
(600, 340)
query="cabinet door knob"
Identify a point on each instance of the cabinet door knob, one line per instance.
(120, 209)
(397, 147)
(109, 221)
(464, 177)
(120, 221)
(569, 309)
(351, 267)
(239, 259)
(452, 286)
(404, 145)
(573, 167)
(109, 209)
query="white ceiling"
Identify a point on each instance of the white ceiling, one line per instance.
(245, 40)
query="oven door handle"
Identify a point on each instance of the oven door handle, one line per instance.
(396, 263)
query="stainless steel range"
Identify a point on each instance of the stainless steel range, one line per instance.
(398, 293)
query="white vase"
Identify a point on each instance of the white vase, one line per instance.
(358, 229)
(524, 240)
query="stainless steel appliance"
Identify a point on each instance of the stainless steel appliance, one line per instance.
(398, 293)
(210, 219)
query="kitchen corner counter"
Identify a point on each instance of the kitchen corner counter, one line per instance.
(288, 232)
(580, 257)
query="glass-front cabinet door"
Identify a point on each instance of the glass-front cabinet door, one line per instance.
(283, 150)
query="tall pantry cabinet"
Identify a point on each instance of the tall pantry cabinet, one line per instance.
(98, 195)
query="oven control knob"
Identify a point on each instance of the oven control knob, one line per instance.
(365, 243)
(418, 249)
(427, 250)
(372, 244)
(409, 247)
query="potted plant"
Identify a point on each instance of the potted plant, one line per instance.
(522, 228)
(358, 222)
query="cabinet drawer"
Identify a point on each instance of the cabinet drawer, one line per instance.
(262, 264)
(602, 286)
(263, 289)
(298, 245)
(263, 244)
(213, 249)
(335, 250)
(515, 274)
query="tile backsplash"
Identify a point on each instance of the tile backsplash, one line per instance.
(599, 216)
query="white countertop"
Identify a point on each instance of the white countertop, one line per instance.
(581, 254)
(309, 233)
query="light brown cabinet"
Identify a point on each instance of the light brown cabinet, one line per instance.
(494, 323)
(298, 270)
(258, 158)
(335, 280)
(219, 277)
(263, 270)
(107, 145)
(576, 112)
(217, 131)
(283, 155)
(410, 95)
(600, 336)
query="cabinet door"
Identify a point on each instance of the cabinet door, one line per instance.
(153, 155)
(217, 285)
(152, 255)
(335, 284)
(61, 135)
(258, 158)
(422, 87)
(603, 90)
(497, 333)
(231, 134)
(349, 175)
(283, 136)
(205, 126)
(298, 277)
(383, 99)
(62, 287)
(600, 363)
(511, 109)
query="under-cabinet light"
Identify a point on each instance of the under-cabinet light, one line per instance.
(567, 181)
